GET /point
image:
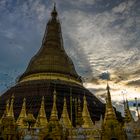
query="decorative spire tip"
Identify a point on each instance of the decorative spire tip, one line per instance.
(54, 12)
(107, 87)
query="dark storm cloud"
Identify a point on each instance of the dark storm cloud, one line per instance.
(111, 38)
(135, 83)
(105, 76)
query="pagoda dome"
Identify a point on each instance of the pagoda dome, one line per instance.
(51, 69)
(51, 61)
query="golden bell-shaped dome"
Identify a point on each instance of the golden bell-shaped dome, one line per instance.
(52, 58)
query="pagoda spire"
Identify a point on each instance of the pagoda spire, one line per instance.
(109, 113)
(5, 114)
(8, 125)
(111, 128)
(53, 35)
(7, 107)
(128, 115)
(54, 114)
(87, 121)
(11, 111)
(54, 126)
(54, 12)
(22, 115)
(65, 116)
(42, 119)
(109, 103)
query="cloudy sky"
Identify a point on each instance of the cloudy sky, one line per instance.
(101, 36)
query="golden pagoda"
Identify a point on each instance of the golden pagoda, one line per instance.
(50, 79)
(41, 118)
(132, 127)
(109, 113)
(111, 128)
(20, 121)
(128, 116)
(7, 107)
(51, 68)
(87, 121)
(54, 114)
(65, 120)
(8, 124)
(54, 129)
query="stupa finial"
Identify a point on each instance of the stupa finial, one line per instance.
(54, 12)
(108, 95)
(54, 116)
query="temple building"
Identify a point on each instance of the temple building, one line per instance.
(51, 69)
(132, 127)
(49, 101)
(112, 129)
